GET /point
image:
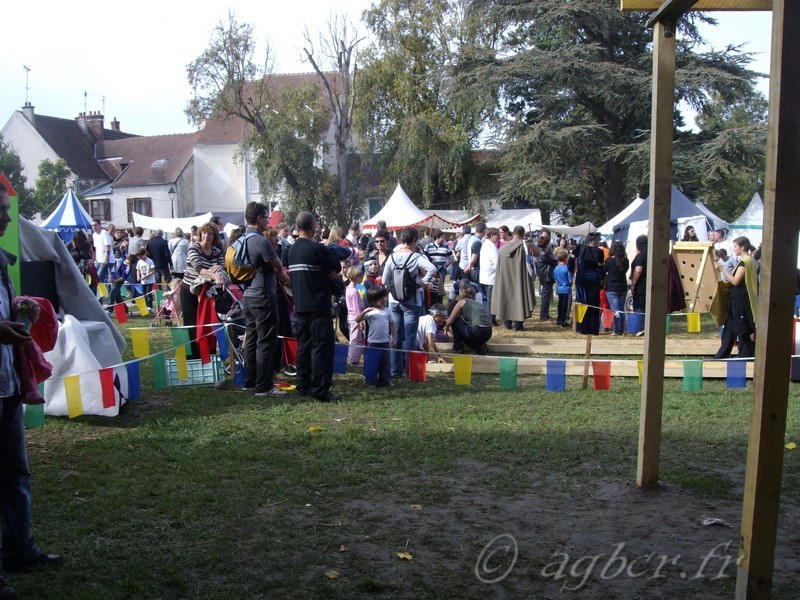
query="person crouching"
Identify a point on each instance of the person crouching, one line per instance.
(469, 322)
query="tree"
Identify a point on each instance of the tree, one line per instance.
(285, 122)
(417, 126)
(733, 141)
(573, 82)
(53, 180)
(11, 166)
(336, 48)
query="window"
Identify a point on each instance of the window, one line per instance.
(141, 206)
(255, 186)
(100, 209)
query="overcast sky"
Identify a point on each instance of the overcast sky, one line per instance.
(134, 55)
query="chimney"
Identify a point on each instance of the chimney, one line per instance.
(115, 125)
(27, 110)
(94, 121)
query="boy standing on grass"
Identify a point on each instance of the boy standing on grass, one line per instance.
(564, 287)
(146, 274)
(381, 334)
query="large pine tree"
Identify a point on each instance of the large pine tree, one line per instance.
(573, 80)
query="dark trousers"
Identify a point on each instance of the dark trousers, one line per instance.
(384, 365)
(115, 296)
(564, 302)
(162, 274)
(260, 341)
(546, 292)
(315, 343)
(284, 328)
(516, 324)
(474, 337)
(189, 312)
(15, 485)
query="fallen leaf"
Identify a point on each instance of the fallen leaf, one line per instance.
(342, 549)
(404, 555)
(791, 446)
(416, 507)
(331, 574)
(316, 428)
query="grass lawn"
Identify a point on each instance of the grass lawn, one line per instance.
(204, 493)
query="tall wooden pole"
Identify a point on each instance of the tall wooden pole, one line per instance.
(657, 251)
(762, 487)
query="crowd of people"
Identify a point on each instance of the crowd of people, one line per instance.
(431, 279)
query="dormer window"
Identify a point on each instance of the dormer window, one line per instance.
(159, 163)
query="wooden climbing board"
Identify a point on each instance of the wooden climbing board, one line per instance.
(695, 262)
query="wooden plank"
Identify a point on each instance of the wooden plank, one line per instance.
(765, 451)
(657, 255)
(601, 346)
(645, 5)
(671, 9)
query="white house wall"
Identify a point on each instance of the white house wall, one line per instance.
(29, 145)
(160, 204)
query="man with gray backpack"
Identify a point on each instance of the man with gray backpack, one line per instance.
(405, 273)
(260, 302)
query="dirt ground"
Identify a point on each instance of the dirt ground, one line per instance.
(557, 538)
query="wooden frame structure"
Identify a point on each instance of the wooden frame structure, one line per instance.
(695, 262)
(779, 249)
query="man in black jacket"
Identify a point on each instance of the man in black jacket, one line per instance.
(545, 266)
(310, 268)
(158, 250)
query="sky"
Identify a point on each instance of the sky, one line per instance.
(129, 59)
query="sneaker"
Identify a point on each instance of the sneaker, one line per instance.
(272, 392)
(290, 371)
(42, 559)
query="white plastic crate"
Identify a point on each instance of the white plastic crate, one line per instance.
(199, 373)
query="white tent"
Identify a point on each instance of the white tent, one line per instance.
(401, 212)
(68, 217)
(750, 223)
(169, 225)
(582, 229)
(607, 228)
(529, 218)
(716, 221)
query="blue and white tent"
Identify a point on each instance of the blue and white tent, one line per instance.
(68, 217)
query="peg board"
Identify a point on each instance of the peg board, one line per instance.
(696, 262)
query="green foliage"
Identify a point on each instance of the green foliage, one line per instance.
(573, 81)
(11, 166)
(286, 124)
(51, 184)
(419, 128)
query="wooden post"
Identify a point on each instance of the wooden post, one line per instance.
(765, 451)
(586, 356)
(657, 251)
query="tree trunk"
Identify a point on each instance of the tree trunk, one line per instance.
(614, 188)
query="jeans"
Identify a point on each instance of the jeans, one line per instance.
(617, 303)
(564, 304)
(546, 293)
(315, 347)
(406, 320)
(487, 300)
(102, 272)
(384, 365)
(474, 337)
(260, 341)
(15, 485)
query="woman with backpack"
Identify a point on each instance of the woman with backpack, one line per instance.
(405, 273)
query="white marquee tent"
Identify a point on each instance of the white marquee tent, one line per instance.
(750, 223)
(399, 211)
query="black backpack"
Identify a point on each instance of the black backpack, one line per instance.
(404, 287)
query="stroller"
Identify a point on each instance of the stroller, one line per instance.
(170, 309)
(230, 312)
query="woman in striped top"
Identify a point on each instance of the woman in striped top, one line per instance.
(204, 259)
